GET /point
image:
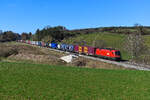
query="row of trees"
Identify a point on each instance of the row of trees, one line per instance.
(48, 34)
(9, 36)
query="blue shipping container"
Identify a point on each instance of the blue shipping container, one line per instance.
(62, 46)
(54, 45)
(47, 44)
(71, 48)
(39, 43)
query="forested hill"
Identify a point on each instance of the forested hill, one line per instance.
(122, 30)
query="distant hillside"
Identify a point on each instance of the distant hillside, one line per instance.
(120, 30)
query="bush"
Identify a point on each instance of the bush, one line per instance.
(81, 62)
(6, 51)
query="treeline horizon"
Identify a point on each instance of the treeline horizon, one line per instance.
(58, 33)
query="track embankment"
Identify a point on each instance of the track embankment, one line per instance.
(124, 64)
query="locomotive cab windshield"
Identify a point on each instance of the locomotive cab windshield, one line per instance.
(118, 53)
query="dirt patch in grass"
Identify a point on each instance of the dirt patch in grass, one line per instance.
(89, 63)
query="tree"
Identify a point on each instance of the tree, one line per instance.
(9, 36)
(1, 31)
(30, 34)
(135, 43)
(24, 36)
(38, 34)
(1, 34)
(57, 33)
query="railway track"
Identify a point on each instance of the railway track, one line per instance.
(125, 64)
(121, 63)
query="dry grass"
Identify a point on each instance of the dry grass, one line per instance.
(6, 50)
(88, 63)
(34, 54)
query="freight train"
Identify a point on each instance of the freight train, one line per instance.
(106, 53)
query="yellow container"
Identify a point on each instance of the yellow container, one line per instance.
(80, 49)
(85, 49)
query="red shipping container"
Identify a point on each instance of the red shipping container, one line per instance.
(28, 41)
(43, 44)
(76, 48)
(91, 51)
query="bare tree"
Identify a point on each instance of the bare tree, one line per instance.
(135, 43)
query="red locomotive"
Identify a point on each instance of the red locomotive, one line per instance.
(108, 53)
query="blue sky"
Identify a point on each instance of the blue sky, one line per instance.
(28, 15)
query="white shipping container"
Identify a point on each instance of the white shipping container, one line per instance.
(58, 46)
(49, 44)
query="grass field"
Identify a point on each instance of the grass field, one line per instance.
(23, 81)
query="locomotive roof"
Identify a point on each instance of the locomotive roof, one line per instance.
(108, 48)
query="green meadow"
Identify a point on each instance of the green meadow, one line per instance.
(25, 81)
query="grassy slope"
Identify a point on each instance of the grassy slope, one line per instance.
(34, 54)
(111, 40)
(22, 81)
